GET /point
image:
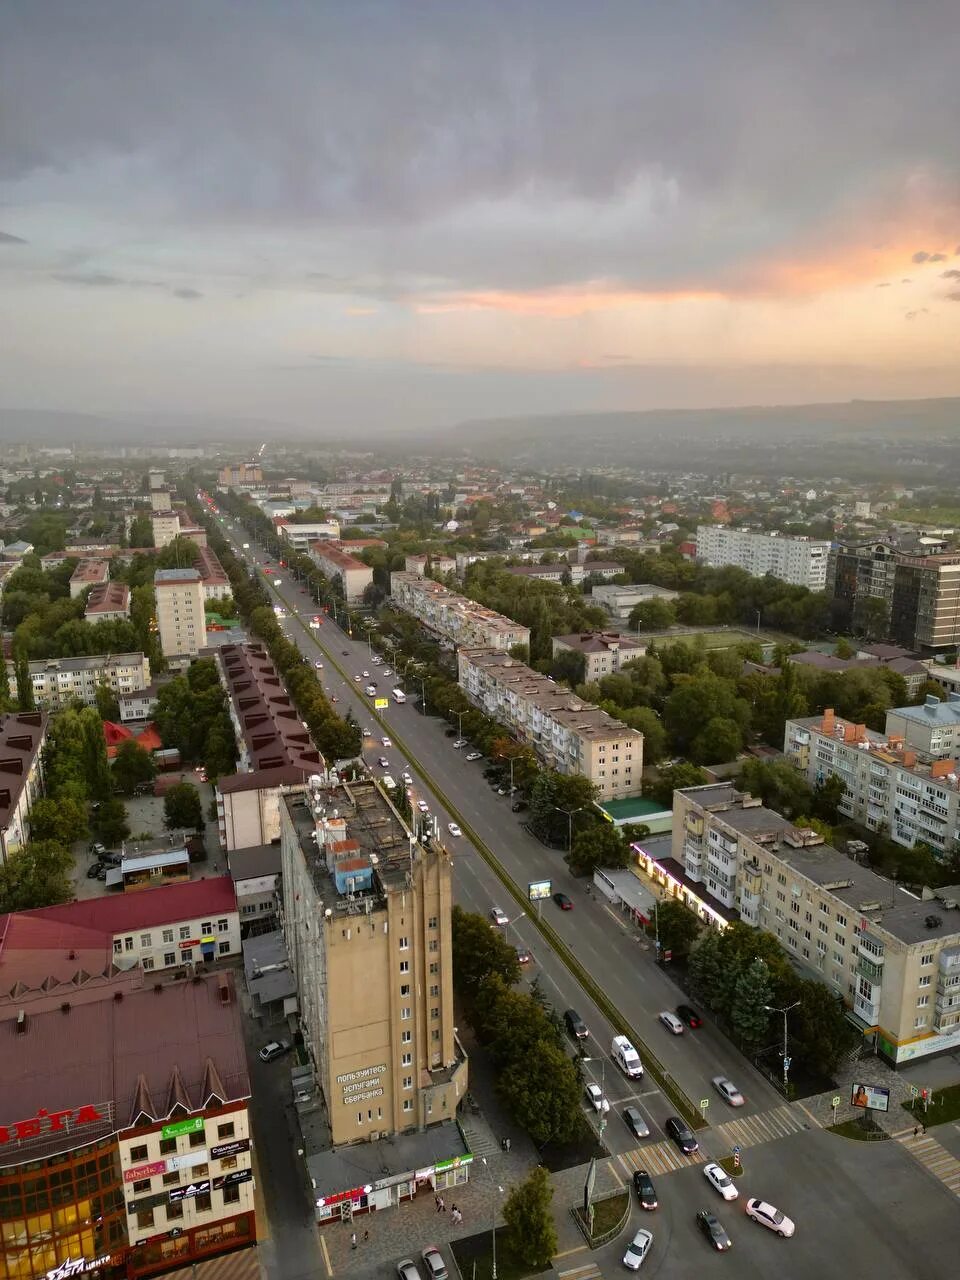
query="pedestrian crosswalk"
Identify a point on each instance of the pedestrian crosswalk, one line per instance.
(768, 1126)
(934, 1157)
(588, 1271)
(658, 1157)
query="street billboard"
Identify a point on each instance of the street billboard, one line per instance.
(381, 704)
(871, 1097)
(539, 889)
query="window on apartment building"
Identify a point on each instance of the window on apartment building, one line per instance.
(824, 909)
(408, 1104)
(823, 926)
(223, 926)
(922, 1001)
(225, 1130)
(184, 932)
(117, 946)
(405, 1015)
(139, 1153)
(781, 878)
(795, 907)
(168, 935)
(186, 955)
(434, 966)
(919, 1022)
(231, 1194)
(167, 1146)
(169, 958)
(838, 957)
(601, 773)
(404, 944)
(925, 980)
(433, 945)
(405, 990)
(223, 948)
(927, 958)
(408, 1082)
(404, 966)
(147, 962)
(198, 1139)
(206, 927)
(171, 1179)
(404, 1037)
(434, 1012)
(146, 939)
(432, 922)
(201, 1203)
(435, 991)
(842, 921)
(144, 1218)
(406, 1059)
(841, 939)
(808, 917)
(806, 934)
(781, 896)
(435, 1034)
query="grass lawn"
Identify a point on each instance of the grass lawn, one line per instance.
(476, 1252)
(943, 1107)
(581, 1148)
(854, 1129)
(728, 1165)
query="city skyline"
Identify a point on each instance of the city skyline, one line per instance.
(383, 214)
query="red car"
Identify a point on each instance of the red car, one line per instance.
(563, 902)
(689, 1015)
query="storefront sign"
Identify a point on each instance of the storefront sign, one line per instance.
(144, 1171)
(338, 1197)
(194, 1125)
(45, 1122)
(442, 1165)
(231, 1179)
(77, 1267)
(188, 1161)
(188, 1192)
(229, 1148)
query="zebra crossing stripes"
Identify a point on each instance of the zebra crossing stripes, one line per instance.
(940, 1162)
(768, 1126)
(589, 1271)
(658, 1157)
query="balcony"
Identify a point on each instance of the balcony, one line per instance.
(947, 1003)
(867, 1011)
(871, 969)
(693, 824)
(692, 856)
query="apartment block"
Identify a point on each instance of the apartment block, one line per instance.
(58, 681)
(22, 738)
(240, 475)
(892, 956)
(109, 602)
(566, 571)
(568, 734)
(166, 527)
(300, 536)
(932, 729)
(88, 573)
(887, 784)
(353, 574)
(925, 606)
(180, 616)
(455, 618)
(213, 576)
(797, 560)
(604, 652)
(439, 564)
(366, 918)
(861, 575)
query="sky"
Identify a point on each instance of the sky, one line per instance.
(401, 215)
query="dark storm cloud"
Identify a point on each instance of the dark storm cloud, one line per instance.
(485, 145)
(7, 238)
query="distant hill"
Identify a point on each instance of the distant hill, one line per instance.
(59, 428)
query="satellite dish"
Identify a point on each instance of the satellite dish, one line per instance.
(453, 525)
(551, 506)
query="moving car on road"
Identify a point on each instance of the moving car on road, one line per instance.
(713, 1229)
(454, 829)
(473, 755)
(728, 1091)
(637, 1250)
(646, 1191)
(524, 956)
(563, 902)
(575, 1024)
(686, 1013)
(383, 762)
(499, 917)
(768, 1216)
(635, 1122)
(682, 1135)
(594, 1095)
(423, 806)
(671, 1022)
(720, 1181)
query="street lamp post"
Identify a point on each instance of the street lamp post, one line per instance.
(786, 1060)
(570, 813)
(459, 714)
(493, 1225)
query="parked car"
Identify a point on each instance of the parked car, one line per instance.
(635, 1122)
(366, 675)
(713, 1229)
(563, 902)
(671, 1022)
(689, 1015)
(93, 871)
(594, 1095)
(775, 1219)
(637, 1250)
(728, 1091)
(434, 1263)
(720, 1181)
(518, 806)
(274, 1049)
(646, 1191)
(682, 1135)
(423, 806)
(459, 742)
(474, 755)
(407, 1270)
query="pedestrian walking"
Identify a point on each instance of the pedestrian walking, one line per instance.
(436, 1200)
(923, 1129)
(366, 1236)
(353, 1241)
(506, 1146)
(916, 1130)
(440, 1205)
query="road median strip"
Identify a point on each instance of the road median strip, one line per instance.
(685, 1105)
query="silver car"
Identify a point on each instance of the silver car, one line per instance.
(407, 1270)
(637, 1250)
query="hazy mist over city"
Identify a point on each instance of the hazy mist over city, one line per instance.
(396, 218)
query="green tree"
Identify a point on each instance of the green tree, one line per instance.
(182, 808)
(96, 766)
(63, 820)
(112, 823)
(479, 952)
(698, 699)
(674, 777)
(599, 845)
(25, 699)
(719, 740)
(530, 1232)
(132, 766)
(36, 876)
(678, 927)
(542, 1091)
(656, 614)
(820, 1033)
(107, 703)
(748, 1014)
(778, 784)
(646, 721)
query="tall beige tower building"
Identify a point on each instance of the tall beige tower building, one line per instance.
(366, 917)
(180, 616)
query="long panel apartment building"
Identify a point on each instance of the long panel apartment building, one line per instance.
(797, 560)
(910, 596)
(453, 617)
(59, 681)
(568, 734)
(892, 956)
(890, 781)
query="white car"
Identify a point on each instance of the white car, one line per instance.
(387, 671)
(376, 661)
(671, 1022)
(474, 755)
(454, 829)
(356, 679)
(499, 916)
(318, 664)
(594, 1095)
(637, 1250)
(407, 777)
(383, 762)
(720, 1181)
(768, 1216)
(459, 742)
(386, 742)
(728, 1091)
(423, 806)
(366, 675)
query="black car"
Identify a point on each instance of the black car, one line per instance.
(681, 1134)
(563, 902)
(345, 652)
(646, 1191)
(575, 1025)
(686, 1013)
(93, 870)
(713, 1229)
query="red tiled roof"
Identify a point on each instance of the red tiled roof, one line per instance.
(146, 909)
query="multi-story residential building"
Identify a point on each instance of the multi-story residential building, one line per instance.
(137, 705)
(256, 881)
(568, 734)
(213, 577)
(887, 785)
(797, 560)
(109, 602)
(892, 956)
(455, 618)
(248, 804)
(88, 573)
(860, 575)
(932, 729)
(925, 607)
(620, 601)
(353, 574)
(181, 620)
(58, 681)
(439, 564)
(367, 923)
(127, 1108)
(166, 527)
(603, 652)
(566, 571)
(240, 475)
(22, 738)
(300, 536)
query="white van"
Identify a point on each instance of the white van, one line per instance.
(388, 782)
(626, 1057)
(399, 695)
